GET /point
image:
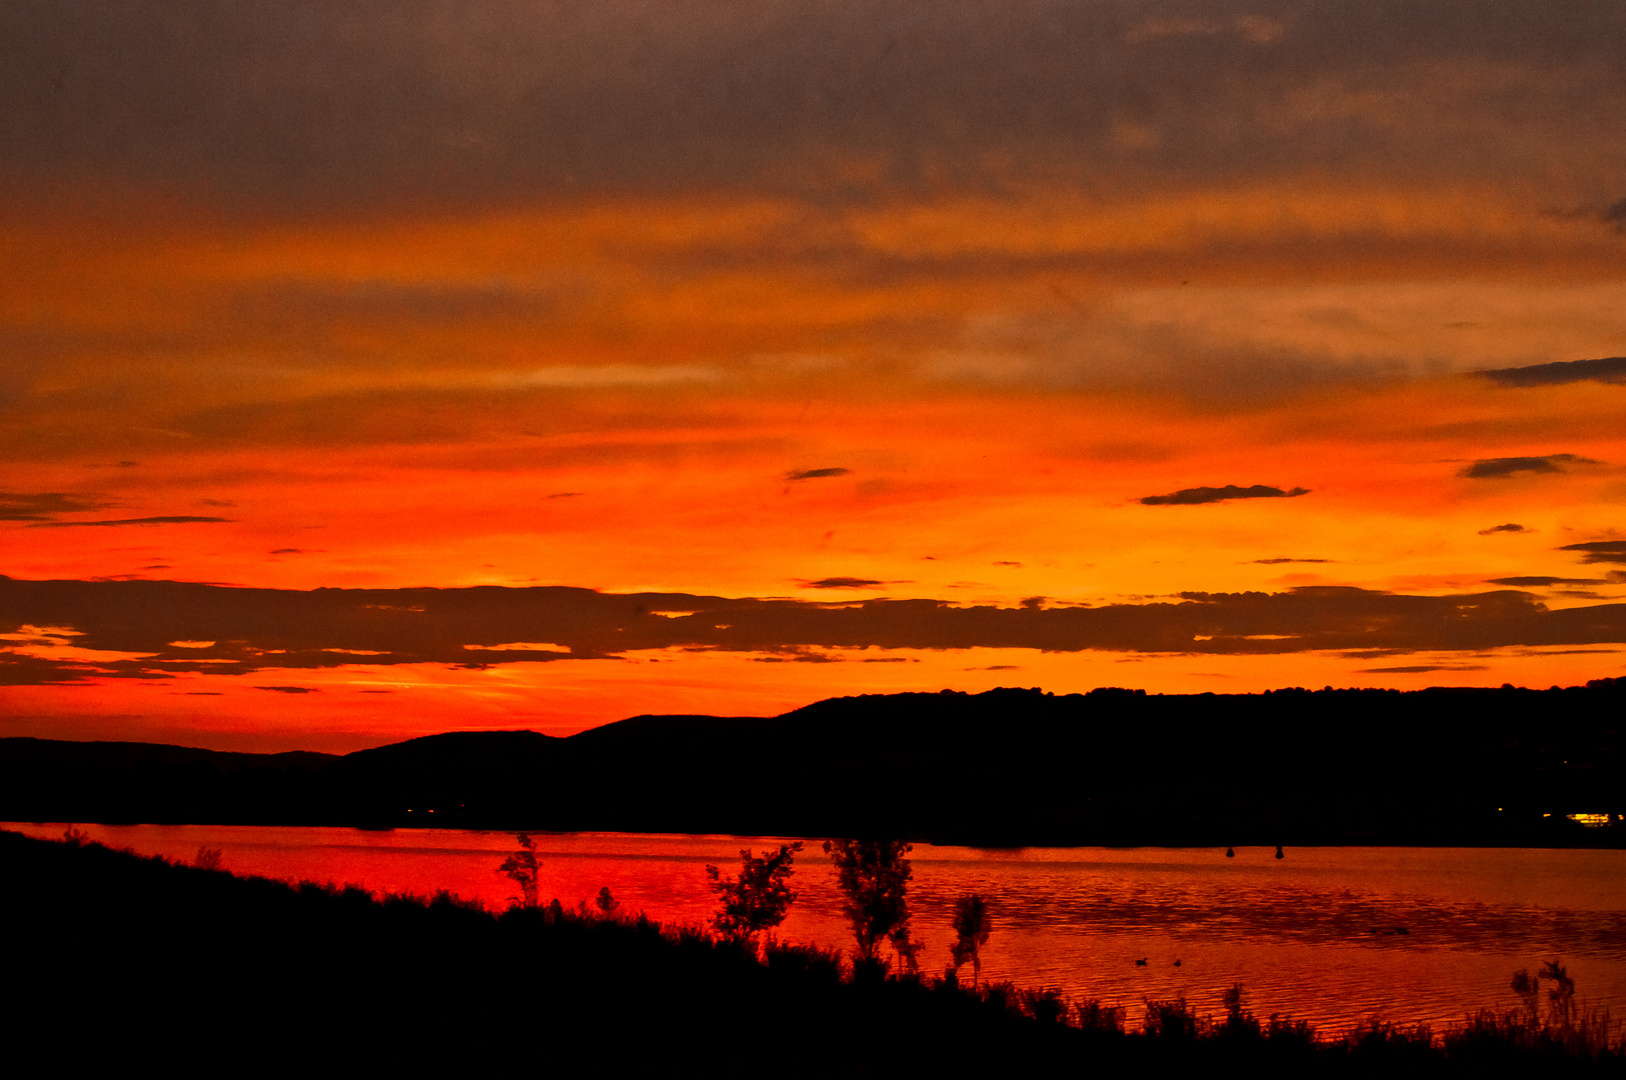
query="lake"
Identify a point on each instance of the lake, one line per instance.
(1334, 936)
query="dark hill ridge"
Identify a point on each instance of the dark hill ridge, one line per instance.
(1006, 767)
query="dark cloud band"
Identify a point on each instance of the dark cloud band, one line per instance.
(181, 627)
(1609, 369)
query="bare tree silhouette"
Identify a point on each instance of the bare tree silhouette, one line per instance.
(873, 876)
(758, 898)
(971, 928)
(522, 866)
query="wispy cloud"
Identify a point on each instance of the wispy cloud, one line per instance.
(174, 519)
(1504, 467)
(1258, 29)
(817, 474)
(844, 583)
(1198, 495)
(44, 506)
(1609, 369)
(1600, 551)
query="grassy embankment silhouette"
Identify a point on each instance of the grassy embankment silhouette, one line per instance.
(115, 956)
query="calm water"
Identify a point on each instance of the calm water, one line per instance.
(1315, 934)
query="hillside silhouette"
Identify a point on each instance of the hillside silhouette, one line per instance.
(1008, 767)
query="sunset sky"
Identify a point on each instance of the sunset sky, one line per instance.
(371, 370)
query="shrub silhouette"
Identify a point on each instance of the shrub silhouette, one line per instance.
(873, 876)
(971, 929)
(757, 899)
(1046, 1005)
(1239, 1023)
(522, 867)
(1101, 1019)
(607, 905)
(1567, 1030)
(1172, 1021)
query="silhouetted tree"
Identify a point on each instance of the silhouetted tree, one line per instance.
(607, 904)
(1561, 998)
(873, 876)
(907, 948)
(1528, 987)
(971, 929)
(758, 898)
(522, 866)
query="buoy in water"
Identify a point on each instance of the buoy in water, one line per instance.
(1279, 851)
(1230, 853)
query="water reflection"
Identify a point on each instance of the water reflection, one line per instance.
(1334, 935)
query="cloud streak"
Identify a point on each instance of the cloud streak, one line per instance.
(44, 506)
(844, 583)
(1505, 467)
(1600, 551)
(1196, 496)
(1609, 369)
(172, 519)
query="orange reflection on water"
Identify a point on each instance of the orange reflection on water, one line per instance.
(1331, 935)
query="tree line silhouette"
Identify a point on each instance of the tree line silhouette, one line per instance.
(1498, 767)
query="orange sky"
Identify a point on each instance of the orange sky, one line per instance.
(544, 298)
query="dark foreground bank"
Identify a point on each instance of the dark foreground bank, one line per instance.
(115, 958)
